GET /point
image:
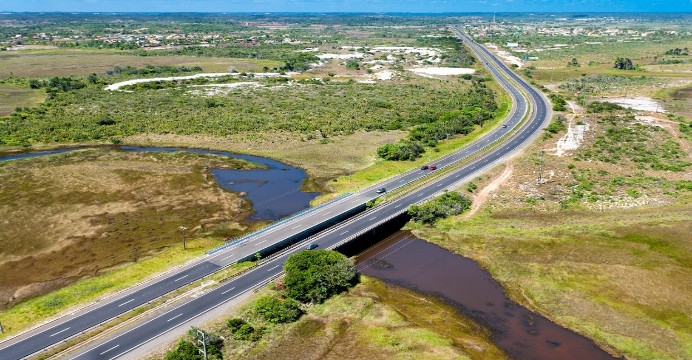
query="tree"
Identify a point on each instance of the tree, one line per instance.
(276, 311)
(184, 351)
(316, 275)
(623, 64)
(447, 204)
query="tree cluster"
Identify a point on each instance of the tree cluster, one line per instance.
(623, 64)
(477, 105)
(448, 204)
(677, 51)
(602, 106)
(315, 276)
(189, 349)
(559, 104)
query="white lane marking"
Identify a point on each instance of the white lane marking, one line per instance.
(126, 302)
(109, 349)
(175, 317)
(398, 206)
(274, 267)
(182, 277)
(227, 257)
(228, 290)
(373, 218)
(295, 227)
(63, 330)
(261, 242)
(440, 185)
(327, 213)
(420, 195)
(343, 233)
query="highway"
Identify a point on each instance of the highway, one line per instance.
(69, 326)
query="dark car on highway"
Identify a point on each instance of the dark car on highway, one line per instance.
(381, 191)
(424, 167)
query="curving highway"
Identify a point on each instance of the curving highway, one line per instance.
(529, 114)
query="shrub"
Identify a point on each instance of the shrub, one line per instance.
(559, 104)
(448, 204)
(245, 332)
(315, 276)
(234, 324)
(404, 150)
(185, 350)
(556, 126)
(602, 106)
(278, 311)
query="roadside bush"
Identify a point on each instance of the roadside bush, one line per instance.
(448, 204)
(234, 324)
(276, 311)
(602, 106)
(185, 350)
(247, 333)
(559, 104)
(404, 150)
(316, 275)
(556, 126)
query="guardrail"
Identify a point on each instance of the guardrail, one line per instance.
(240, 239)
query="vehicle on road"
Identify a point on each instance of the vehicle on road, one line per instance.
(424, 167)
(381, 191)
(433, 167)
(504, 126)
(311, 246)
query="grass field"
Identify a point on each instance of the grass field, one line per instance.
(616, 277)
(373, 321)
(602, 246)
(78, 62)
(13, 96)
(75, 215)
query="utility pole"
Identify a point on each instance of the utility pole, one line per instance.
(203, 350)
(2, 331)
(540, 168)
(182, 231)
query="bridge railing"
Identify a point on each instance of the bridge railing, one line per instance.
(240, 239)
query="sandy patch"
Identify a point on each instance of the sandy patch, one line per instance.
(355, 55)
(637, 103)
(482, 195)
(384, 75)
(118, 85)
(572, 139)
(216, 89)
(505, 55)
(408, 50)
(442, 71)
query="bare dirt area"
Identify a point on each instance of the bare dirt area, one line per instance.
(13, 96)
(75, 215)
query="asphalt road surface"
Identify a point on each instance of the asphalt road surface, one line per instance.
(72, 325)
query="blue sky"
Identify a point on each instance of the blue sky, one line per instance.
(415, 6)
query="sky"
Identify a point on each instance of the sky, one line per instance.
(411, 6)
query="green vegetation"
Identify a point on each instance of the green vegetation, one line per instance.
(304, 109)
(448, 204)
(14, 96)
(275, 310)
(624, 139)
(556, 126)
(477, 105)
(315, 276)
(595, 107)
(186, 349)
(559, 104)
(623, 64)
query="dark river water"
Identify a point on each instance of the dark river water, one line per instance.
(274, 192)
(404, 260)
